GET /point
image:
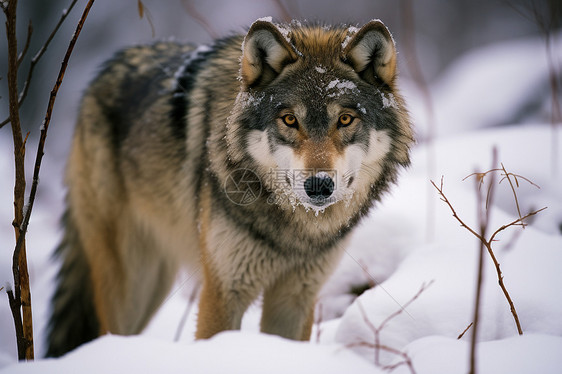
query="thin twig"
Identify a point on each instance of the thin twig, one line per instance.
(319, 319)
(548, 21)
(381, 347)
(423, 287)
(484, 220)
(488, 243)
(518, 221)
(285, 15)
(188, 307)
(413, 64)
(47, 121)
(464, 331)
(37, 57)
(23, 326)
(19, 258)
(142, 10)
(27, 42)
(201, 19)
(444, 199)
(377, 346)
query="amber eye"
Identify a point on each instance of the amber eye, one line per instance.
(290, 120)
(345, 120)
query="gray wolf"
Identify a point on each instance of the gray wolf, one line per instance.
(251, 159)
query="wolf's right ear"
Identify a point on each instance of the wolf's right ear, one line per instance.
(265, 53)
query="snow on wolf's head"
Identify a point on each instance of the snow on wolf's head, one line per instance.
(318, 116)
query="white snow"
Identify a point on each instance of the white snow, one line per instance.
(388, 100)
(265, 19)
(338, 87)
(410, 239)
(320, 69)
(239, 352)
(351, 30)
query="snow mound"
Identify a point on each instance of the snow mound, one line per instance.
(235, 352)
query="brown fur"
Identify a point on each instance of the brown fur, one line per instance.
(160, 134)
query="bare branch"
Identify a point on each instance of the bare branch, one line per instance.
(142, 10)
(518, 221)
(464, 331)
(201, 19)
(283, 11)
(183, 319)
(505, 176)
(484, 220)
(37, 57)
(24, 330)
(407, 15)
(21, 297)
(319, 320)
(27, 41)
(377, 346)
(444, 199)
(423, 287)
(547, 21)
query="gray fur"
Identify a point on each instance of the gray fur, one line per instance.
(160, 133)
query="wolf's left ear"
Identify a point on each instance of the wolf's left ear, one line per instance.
(372, 54)
(265, 53)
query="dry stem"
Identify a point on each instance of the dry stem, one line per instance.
(414, 67)
(20, 299)
(37, 57)
(142, 10)
(376, 345)
(487, 243)
(188, 307)
(200, 18)
(464, 331)
(21, 296)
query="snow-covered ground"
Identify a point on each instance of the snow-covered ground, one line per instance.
(410, 240)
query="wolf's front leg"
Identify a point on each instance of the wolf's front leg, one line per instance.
(288, 306)
(228, 289)
(220, 308)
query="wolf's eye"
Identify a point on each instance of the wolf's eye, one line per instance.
(290, 120)
(345, 120)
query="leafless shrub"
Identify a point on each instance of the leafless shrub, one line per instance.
(483, 206)
(20, 297)
(376, 344)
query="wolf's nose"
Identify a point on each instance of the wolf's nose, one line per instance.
(319, 187)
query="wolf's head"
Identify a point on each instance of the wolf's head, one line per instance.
(318, 115)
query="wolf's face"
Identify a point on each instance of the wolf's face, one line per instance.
(317, 112)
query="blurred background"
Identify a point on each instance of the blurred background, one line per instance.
(430, 34)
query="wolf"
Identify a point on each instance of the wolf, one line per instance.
(251, 160)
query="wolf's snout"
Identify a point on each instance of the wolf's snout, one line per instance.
(319, 187)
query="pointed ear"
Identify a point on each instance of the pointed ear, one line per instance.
(372, 54)
(265, 53)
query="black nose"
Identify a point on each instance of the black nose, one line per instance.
(319, 187)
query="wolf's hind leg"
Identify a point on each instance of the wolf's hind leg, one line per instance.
(133, 281)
